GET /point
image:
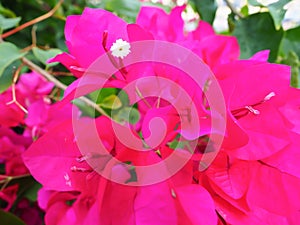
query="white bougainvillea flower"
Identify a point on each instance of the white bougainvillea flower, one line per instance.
(120, 48)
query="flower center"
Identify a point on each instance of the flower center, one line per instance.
(120, 48)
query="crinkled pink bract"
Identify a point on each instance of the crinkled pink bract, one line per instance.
(252, 178)
(26, 114)
(84, 37)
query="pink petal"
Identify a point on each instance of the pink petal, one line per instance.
(287, 160)
(262, 56)
(137, 33)
(232, 176)
(274, 191)
(155, 200)
(203, 30)
(197, 204)
(51, 158)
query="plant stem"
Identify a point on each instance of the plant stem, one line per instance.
(34, 21)
(60, 85)
(8, 179)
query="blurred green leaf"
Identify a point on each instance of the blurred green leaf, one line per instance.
(99, 95)
(124, 98)
(254, 3)
(292, 60)
(111, 102)
(291, 41)
(6, 12)
(245, 10)
(31, 193)
(44, 55)
(7, 76)
(85, 109)
(11, 53)
(127, 9)
(206, 9)
(277, 11)
(7, 23)
(7, 218)
(176, 144)
(167, 8)
(127, 114)
(257, 32)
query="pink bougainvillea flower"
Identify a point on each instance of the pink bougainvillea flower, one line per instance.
(170, 94)
(10, 114)
(85, 35)
(29, 213)
(279, 195)
(64, 169)
(290, 109)
(213, 49)
(9, 195)
(157, 125)
(254, 179)
(132, 205)
(58, 162)
(286, 160)
(161, 25)
(58, 208)
(256, 112)
(202, 31)
(42, 116)
(230, 175)
(12, 146)
(33, 87)
(216, 50)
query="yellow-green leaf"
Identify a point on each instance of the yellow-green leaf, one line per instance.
(111, 102)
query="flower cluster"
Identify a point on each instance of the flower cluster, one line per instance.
(252, 177)
(26, 114)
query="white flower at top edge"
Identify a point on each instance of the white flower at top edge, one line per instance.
(120, 48)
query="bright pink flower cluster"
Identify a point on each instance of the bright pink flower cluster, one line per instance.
(255, 177)
(26, 113)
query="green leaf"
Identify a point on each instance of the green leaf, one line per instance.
(277, 11)
(127, 114)
(295, 76)
(293, 60)
(85, 109)
(7, 76)
(124, 8)
(256, 33)
(124, 98)
(6, 12)
(111, 102)
(176, 144)
(99, 95)
(31, 193)
(11, 53)
(7, 23)
(245, 10)
(254, 3)
(7, 218)
(167, 8)
(44, 55)
(206, 9)
(291, 41)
